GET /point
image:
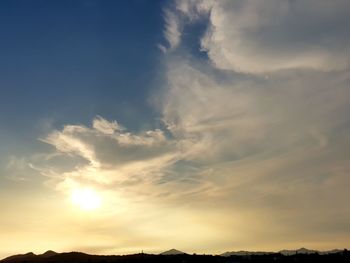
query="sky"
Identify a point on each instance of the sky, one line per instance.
(201, 125)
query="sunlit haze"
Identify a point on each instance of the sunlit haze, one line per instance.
(86, 199)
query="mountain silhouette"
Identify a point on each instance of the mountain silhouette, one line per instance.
(20, 257)
(245, 253)
(172, 252)
(49, 253)
(299, 251)
(302, 255)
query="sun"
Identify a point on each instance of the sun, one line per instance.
(86, 198)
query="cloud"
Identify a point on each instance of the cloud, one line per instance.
(263, 123)
(18, 168)
(67, 142)
(263, 36)
(177, 16)
(269, 148)
(114, 156)
(105, 126)
(172, 29)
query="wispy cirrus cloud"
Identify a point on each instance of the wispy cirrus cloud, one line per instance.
(172, 31)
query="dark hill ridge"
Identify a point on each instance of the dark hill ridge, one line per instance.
(176, 256)
(283, 252)
(17, 258)
(245, 253)
(30, 255)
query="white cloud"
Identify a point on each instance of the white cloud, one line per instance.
(172, 29)
(105, 126)
(114, 155)
(194, 8)
(210, 115)
(67, 142)
(262, 36)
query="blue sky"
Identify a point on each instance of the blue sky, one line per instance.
(68, 61)
(125, 124)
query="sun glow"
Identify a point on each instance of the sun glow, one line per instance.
(86, 199)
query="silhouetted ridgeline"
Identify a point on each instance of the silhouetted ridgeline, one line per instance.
(77, 257)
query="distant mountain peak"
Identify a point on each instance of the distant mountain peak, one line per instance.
(49, 253)
(172, 252)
